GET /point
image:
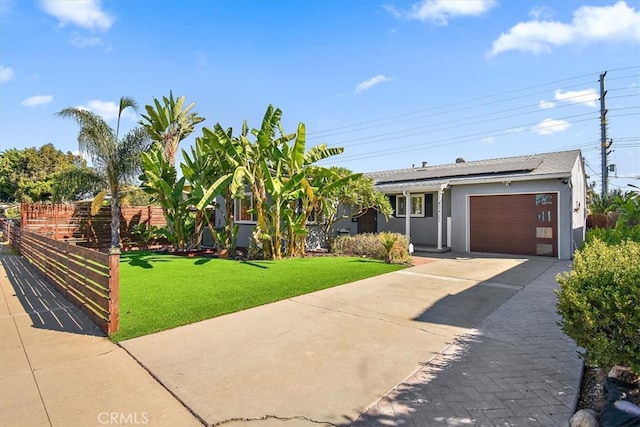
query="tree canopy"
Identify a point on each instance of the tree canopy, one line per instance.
(31, 174)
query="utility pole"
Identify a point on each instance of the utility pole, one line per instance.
(604, 145)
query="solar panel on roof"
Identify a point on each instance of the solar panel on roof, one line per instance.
(462, 169)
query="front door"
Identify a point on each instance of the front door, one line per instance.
(368, 223)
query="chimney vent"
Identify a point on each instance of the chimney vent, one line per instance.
(460, 160)
(424, 164)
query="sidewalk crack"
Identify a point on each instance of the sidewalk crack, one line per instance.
(275, 417)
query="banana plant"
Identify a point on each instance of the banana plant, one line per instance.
(627, 206)
(272, 165)
(168, 123)
(159, 180)
(309, 197)
(209, 177)
(284, 163)
(318, 185)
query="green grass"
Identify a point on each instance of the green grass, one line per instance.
(159, 292)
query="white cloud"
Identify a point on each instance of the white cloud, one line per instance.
(108, 110)
(551, 126)
(441, 11)
(36, 100)
(590, 24)
(545, 105)
(541, 12)
(83, 13)
(82, 41)
(368, 84)
(517, 130)
(587, 97)
(6, 73)
(489, 139)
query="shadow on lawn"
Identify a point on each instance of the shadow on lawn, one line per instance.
(142, 259)
(366, 260)
(255, 264)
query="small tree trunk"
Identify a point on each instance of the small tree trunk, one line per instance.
(276, 239)
(115, 219)
(197, 232)
(230, 224)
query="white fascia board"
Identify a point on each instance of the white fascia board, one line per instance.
(493, 180)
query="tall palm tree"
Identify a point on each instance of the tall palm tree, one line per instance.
(116, 159)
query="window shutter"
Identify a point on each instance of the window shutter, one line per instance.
(392, 201)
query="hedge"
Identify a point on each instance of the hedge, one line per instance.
(599, 300)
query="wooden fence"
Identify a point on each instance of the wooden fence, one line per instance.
(74, 222)
(88, 278)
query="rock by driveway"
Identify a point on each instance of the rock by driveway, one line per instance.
(328, 356)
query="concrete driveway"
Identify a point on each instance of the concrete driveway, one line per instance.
(326, 357)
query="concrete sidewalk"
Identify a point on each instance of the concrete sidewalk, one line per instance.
(58, 369)
(327, 357)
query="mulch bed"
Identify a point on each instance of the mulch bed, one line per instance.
(592, 388)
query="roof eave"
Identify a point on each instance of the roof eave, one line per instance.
(436, 185)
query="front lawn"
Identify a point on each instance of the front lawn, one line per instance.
(159, 292)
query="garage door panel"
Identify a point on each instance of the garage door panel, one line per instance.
(523, 224)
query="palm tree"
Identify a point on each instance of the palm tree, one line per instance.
(116, 159)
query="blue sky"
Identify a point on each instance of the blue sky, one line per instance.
(393, 82)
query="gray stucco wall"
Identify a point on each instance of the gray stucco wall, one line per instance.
(244, 229)
(579, 203)
(460, 206)
(424, 231)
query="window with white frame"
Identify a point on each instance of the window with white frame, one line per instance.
(299, 209)
(417, 206)
(243, 209)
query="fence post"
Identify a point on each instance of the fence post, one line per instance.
(114, 290)
(56, 208)
(67, 261)
(23, 215)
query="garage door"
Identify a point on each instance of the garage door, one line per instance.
(521, 224)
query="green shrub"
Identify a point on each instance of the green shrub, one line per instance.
(396, 247)
(383, 246)
(363, 245)
(12, 212)
(144, 235)
(599, 300)
(614, 236)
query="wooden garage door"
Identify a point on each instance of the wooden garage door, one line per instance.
(522, 224)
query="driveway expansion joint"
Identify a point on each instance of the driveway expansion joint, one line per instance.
(369, 317)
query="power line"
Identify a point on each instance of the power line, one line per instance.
(444, 142)
(478, 119)
(462, 103)
(328, 132)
